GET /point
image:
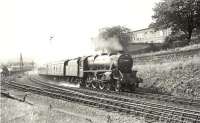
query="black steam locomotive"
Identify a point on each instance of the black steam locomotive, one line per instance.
(105, 72)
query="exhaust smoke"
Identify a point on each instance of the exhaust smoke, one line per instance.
(111, 40)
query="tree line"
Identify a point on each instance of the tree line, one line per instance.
(181, 16)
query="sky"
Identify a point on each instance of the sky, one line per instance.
(26, 26)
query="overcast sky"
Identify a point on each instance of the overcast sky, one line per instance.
(27, 25)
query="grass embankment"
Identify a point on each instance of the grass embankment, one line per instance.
(190, 47)
(181, 78)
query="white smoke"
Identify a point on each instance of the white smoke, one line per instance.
(107, 45)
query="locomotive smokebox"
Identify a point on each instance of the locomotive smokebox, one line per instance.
(125, 63)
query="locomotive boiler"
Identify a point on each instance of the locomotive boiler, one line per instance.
(111, 72)
(105, 72)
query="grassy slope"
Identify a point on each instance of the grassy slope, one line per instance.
(190, 47)
(180, 78)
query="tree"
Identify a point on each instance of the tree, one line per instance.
(112, 35)
(179, 15)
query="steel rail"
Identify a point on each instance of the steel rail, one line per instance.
(183, 112)
(108, 95)
(151, 96)
(104, 103)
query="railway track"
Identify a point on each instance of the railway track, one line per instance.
(164, 98)
(113, 103)
(159, 97)
(142, 95)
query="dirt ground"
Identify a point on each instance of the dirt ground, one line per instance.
(41, 109)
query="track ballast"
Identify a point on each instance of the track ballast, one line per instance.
(111, 102)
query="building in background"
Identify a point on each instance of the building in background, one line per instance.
(147, 40)
(149, 35)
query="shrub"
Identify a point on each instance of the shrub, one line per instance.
(195, 40)
(175, 40)
(153, 47)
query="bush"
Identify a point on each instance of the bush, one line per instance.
(173, 41)
(195, 40)
(153, 47)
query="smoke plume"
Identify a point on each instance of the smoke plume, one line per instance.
(113, 39)
(108, 45)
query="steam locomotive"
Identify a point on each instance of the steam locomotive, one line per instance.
(104, 72)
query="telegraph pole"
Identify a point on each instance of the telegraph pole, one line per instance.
(21, 64)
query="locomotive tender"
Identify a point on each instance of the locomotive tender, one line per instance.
(105, 72)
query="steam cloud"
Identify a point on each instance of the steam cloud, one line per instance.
(108, 45)
(113, 39)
